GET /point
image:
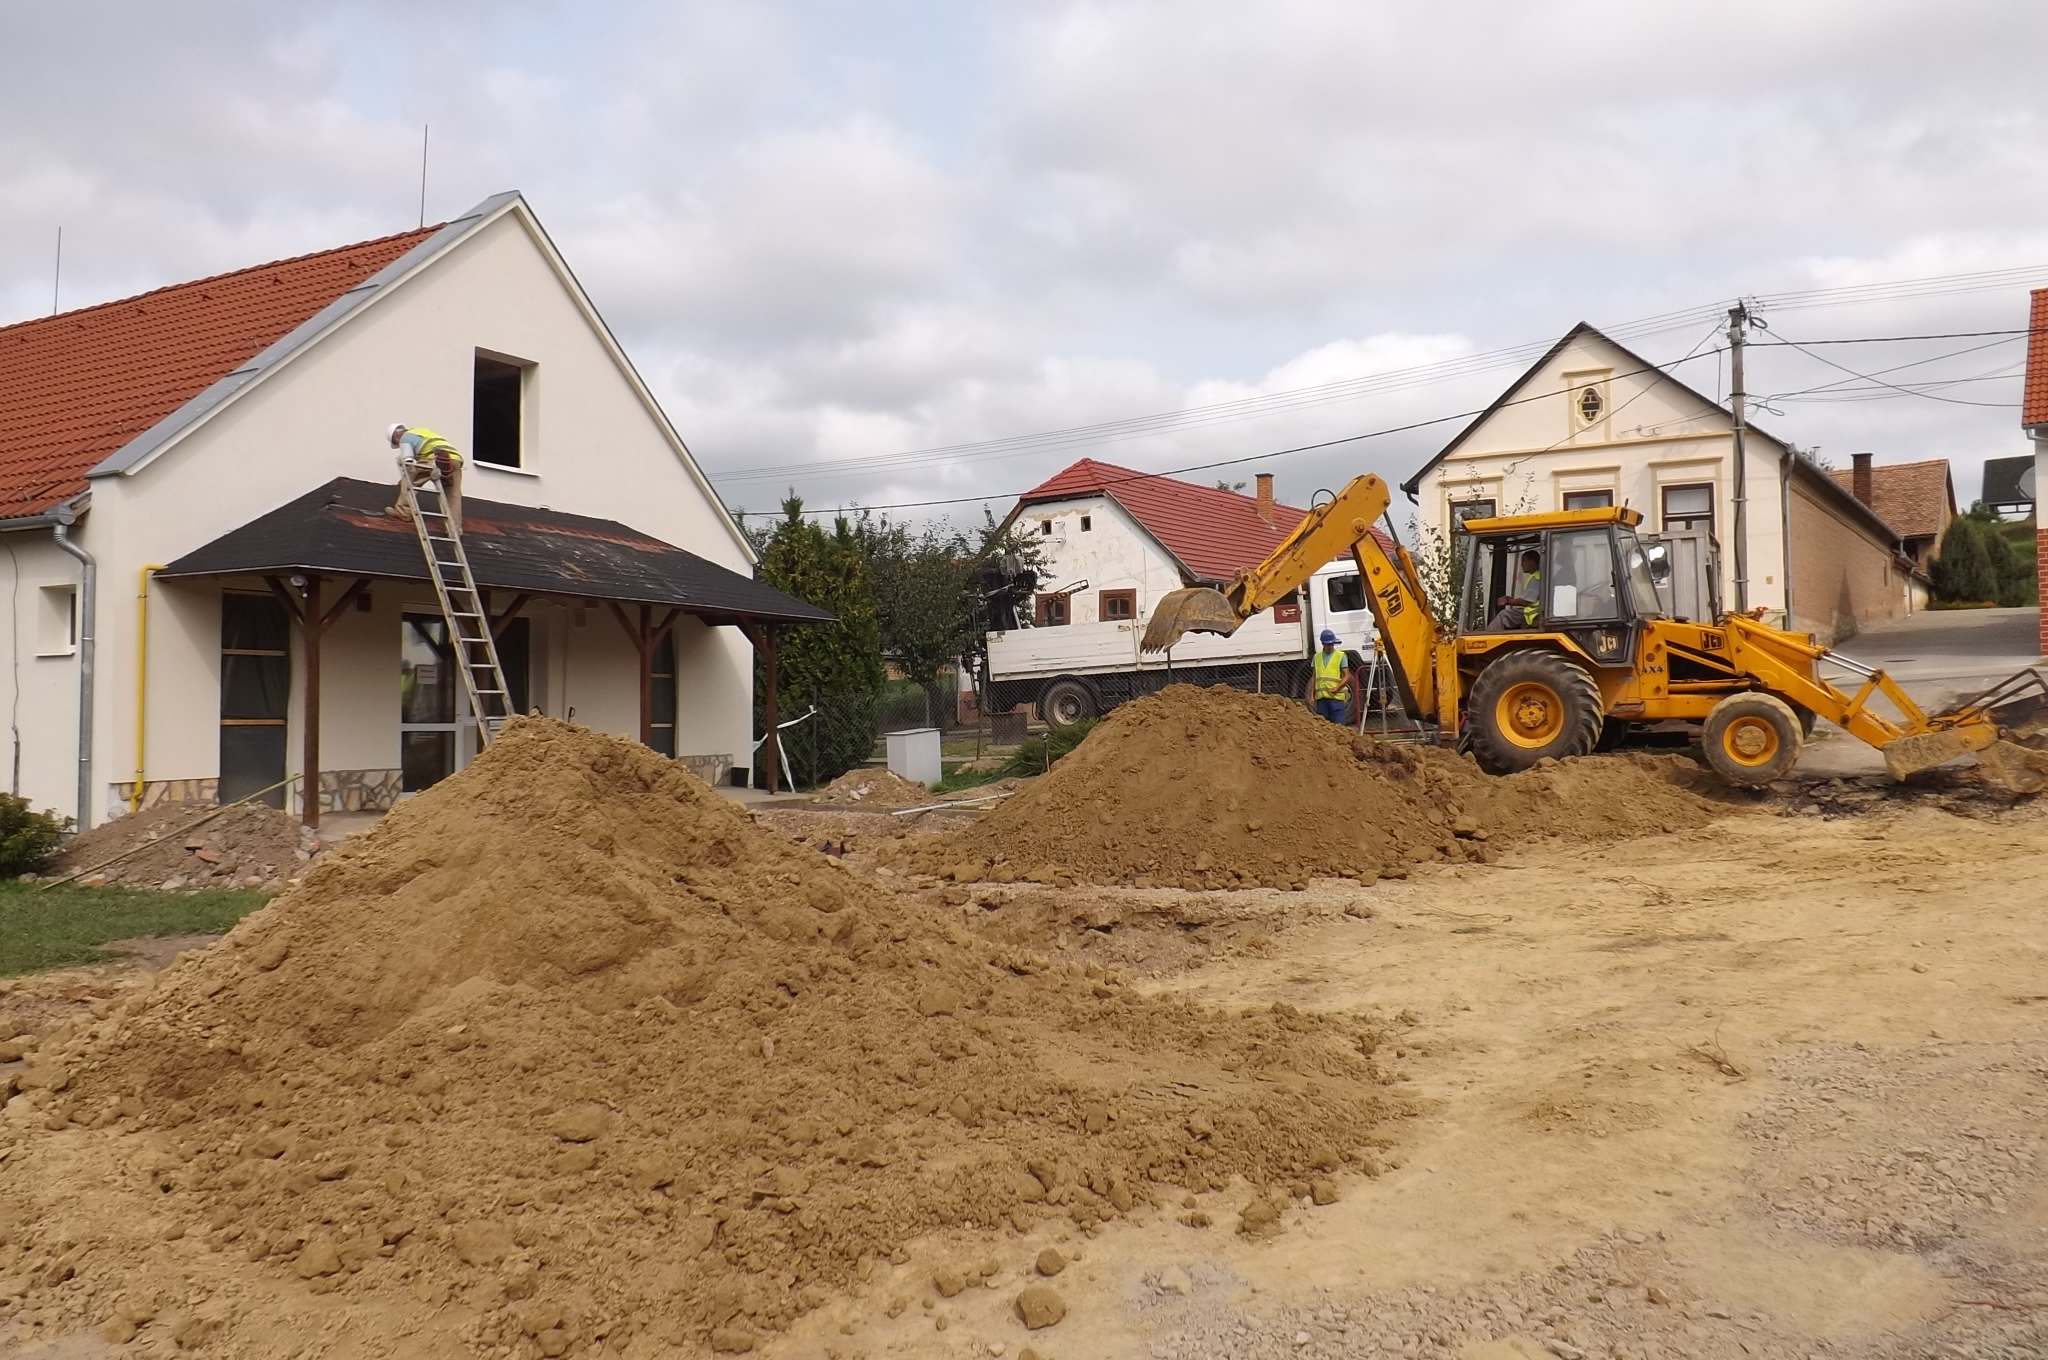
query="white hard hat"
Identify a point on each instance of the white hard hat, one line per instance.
(396, 430)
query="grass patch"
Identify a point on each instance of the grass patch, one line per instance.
(64, 926)
(964, 776)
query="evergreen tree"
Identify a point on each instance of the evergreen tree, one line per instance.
(840, 663)
(1963, 570)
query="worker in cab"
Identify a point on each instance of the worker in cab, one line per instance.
(421, 454)
(1524, 600)
(1333, 680)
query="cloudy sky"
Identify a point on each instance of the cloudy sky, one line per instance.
(845, 240)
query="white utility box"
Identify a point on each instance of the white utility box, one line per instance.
(914, 755)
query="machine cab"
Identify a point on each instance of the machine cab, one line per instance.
(1583, 573)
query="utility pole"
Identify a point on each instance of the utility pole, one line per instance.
(1738, 322)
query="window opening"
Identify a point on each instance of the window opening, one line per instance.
(1118, 606)
(1347, 594)
(1588, 500)
(1053, 611)
(495, 429)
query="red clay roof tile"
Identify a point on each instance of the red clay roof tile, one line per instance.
(77, 386)
(1212, 532)
(2034, 406)
(1916, 499)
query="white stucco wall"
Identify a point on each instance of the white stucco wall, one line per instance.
(591, 448)
(39, 685)
(1113, 553)
(1652, 434)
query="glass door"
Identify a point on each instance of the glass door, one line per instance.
(436, 733)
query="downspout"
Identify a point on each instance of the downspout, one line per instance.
(142, 680)
(1785, 530)
(62, 518)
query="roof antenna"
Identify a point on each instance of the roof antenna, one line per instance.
(423, 173)
(57, 276)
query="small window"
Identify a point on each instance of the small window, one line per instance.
(1118, 606)
(1087, 523)
(1045, 528)
(1591, 405)
(500, 397)
(1473, 509)
(1347, 595)
(1689, 507)
(1053, 611)
(57, 625)
(1588, 500)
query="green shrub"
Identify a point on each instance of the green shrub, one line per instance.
(1039, 753)
(27, 838)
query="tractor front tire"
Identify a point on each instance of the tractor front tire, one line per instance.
(1751, 739)
(1528, 706)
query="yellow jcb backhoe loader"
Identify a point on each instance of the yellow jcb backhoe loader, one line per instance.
(1593, 651)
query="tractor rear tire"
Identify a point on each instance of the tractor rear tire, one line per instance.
(1529, 706)
(1751, 739)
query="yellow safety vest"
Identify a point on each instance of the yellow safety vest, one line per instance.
(1533, 585)
(430, 446)
(1330, 668)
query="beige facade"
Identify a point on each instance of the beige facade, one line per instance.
(594, 443)
(1593, 423)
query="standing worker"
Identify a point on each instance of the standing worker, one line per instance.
(426, 451)
(1333, 680)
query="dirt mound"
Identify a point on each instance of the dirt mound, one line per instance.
(875, 788)
(1216, 788)
(567, 1034)
(240, 844)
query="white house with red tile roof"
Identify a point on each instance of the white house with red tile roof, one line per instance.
(1592, 423)
(1114, 540)
(192, 486)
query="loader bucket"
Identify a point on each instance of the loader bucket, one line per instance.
(1197, 609)
(2005, 726)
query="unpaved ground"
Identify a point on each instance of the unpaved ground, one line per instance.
(1774, 1087)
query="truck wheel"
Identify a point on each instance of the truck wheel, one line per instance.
(1751, 739)
(1529, 705)
(1065, 703)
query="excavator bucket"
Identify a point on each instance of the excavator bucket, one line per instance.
(1197, 609)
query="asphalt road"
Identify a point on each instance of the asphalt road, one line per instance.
(1939, 657)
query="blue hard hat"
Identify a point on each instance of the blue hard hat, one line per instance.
(1329, 636)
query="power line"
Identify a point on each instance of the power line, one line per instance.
(1907, 391)
(1257, 457)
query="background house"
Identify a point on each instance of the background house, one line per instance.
(192, 486)
(1917, 499)
(1592, 424)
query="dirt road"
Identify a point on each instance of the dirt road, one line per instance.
(1774, 1087)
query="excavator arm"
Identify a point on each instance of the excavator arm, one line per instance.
(1409, 632)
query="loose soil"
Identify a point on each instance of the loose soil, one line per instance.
(1215, 788)
(875, 788)
(247, 846)
(572, 1044)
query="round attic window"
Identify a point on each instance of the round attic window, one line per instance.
(1591, 405)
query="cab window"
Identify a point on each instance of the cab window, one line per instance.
(1347, 594)
(1581, 585)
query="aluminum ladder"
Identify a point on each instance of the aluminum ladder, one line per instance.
(469, 626)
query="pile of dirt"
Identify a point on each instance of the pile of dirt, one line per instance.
(569, 1039)
(875, 788)
(248, 845)
(1216, 788)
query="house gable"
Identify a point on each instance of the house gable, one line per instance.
(381, 292)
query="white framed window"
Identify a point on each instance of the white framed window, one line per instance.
(1588, 500)
(57, 621)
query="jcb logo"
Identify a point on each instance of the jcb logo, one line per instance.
(1713, 642)
(1390, 596)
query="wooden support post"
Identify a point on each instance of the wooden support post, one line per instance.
(311, 625)
(774, 736)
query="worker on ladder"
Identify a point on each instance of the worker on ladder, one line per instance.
(428, 452)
